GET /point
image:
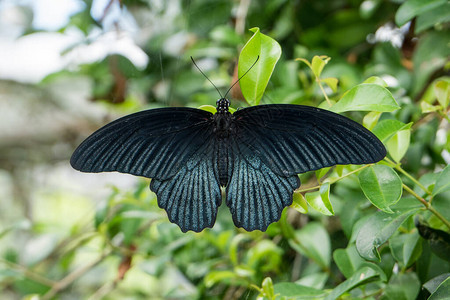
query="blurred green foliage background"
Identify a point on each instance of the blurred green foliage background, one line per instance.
(67, 235)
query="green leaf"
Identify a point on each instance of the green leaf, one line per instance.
(406, 248)
(348, 260)
(214, 277)
(381, 185)
(299, 203)
(331, 82)
(429, 56)
(371, 119)
(442, 92)
(403, 286)
(385, 129)
(313, 241)
(297, 291)
(318, 63)
(255, 82)
(443, 182)
(362, 276)
(427, 108)
(267, 288)
(432, 284)
(320, 200)
(396, 136)
(376, 80)
(315, 280)
(366, 97)
(436, 16)
(398, 144)
(413, 8)
(378, 229)
(210, 108)
(322, 172)
(442, 291)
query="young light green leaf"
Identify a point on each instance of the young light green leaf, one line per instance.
(406, 248)
(297, 291)
(320, 200)
(386, 129)
(267, 288)
(378, 229)
(214, 277)
(366, 97)
(318, 63)
(362, 276)
(305, 61)
(210, 108)
(331, 82)
(443, 182)
(371, 119)
(381, 185)
(398, 144)
(299, 203)
(427, 107)
(314, 243)
(322, 172)
(442, 92)
(413, 8)
(376, 80)
(255, 82)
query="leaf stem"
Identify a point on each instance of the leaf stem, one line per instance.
(323, 90)
(331, 181)
(427, 205)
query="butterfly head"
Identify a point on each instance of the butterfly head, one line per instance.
(222, 105)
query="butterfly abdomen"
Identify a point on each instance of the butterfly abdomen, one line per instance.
(223, 161)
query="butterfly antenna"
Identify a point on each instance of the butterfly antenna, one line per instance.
(242, 76)
(206, 77)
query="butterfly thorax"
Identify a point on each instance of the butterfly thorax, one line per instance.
(223, 119)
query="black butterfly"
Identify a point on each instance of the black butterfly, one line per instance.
(256, 153)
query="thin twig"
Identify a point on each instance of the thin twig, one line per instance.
(28, 273)
(427, 205)
(400, 169)
(241, 16)
(69, 279)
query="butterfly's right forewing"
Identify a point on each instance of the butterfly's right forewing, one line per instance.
(154, 143)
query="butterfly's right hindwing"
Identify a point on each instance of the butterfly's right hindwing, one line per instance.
(154, 143)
